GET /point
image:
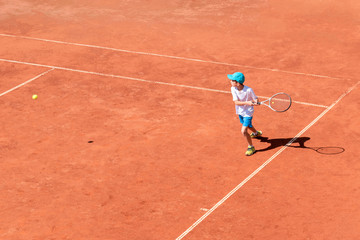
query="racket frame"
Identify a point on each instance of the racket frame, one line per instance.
(274, 96)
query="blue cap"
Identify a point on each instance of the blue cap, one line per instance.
(238, 76)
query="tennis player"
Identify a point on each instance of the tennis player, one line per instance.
(245, 100)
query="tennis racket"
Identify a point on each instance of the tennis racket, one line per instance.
(279, 102)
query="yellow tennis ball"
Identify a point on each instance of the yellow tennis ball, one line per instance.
(34, 96)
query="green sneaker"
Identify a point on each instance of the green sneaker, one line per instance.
(255, 135)
(250, 151)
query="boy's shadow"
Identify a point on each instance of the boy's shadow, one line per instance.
(280, 142)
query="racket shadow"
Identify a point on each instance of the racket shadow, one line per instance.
(298, 143)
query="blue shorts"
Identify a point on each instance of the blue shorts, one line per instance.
(245, 121)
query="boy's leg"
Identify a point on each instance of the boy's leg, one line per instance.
(247, 124)
(251, 149)
(252, 128)
(246, 135)
(255, 133)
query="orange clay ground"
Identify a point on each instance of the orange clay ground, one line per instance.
(134, 133)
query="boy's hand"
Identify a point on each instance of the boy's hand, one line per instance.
(251, 103)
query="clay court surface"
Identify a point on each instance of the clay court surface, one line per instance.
(134, 133)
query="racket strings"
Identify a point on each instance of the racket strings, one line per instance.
(280, 102)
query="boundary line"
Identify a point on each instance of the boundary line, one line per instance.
(139, 79)
(24, 83)
(265, 163)
(169, 56)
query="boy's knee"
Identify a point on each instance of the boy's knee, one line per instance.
(244, 131)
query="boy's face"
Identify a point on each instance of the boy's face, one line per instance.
(234, 83)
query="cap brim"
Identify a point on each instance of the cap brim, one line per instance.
(231, 77)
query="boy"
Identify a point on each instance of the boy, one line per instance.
(245, 100)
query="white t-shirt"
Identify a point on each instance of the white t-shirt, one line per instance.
(246, 94)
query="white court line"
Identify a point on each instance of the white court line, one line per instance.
(139, 79)
(24, 83)
(168, 56)
(264, 164)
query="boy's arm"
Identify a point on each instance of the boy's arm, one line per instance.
(254, 97)
(247, 103)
